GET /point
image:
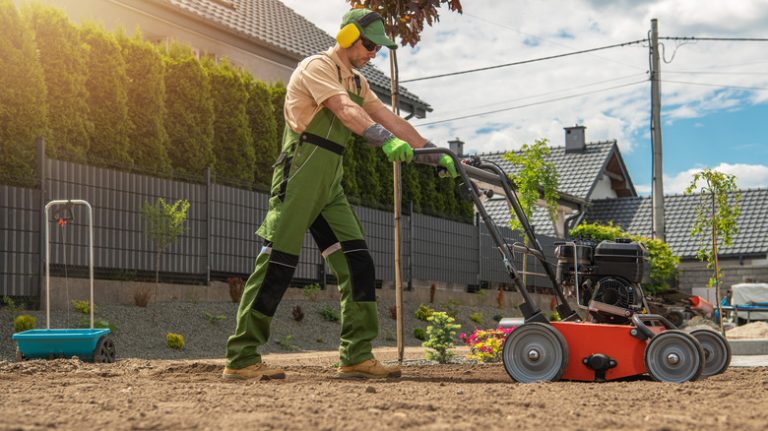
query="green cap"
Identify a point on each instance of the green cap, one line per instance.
(373, 29)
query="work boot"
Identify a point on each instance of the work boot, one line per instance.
(370, 369)
(259, 371)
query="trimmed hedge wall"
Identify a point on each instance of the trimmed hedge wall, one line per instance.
(118, 101)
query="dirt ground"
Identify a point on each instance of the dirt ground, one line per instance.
(189, 394)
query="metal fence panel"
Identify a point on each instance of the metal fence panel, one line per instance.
(119, 240)
(19, 241)
(444, 250)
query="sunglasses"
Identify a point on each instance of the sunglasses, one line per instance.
(370, 46)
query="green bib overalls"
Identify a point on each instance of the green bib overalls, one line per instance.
(307, 194)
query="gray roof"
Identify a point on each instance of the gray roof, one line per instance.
(634, 215)
(500, 213)
(275, 25)
(579, 171)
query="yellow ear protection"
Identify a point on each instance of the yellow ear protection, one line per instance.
(352, 31)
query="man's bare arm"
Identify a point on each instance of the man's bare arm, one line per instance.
(350, 113)
(399, 127)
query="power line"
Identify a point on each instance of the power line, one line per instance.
(737, 87)
(517, 63)
(530, 104)
(703, 72)
(716, 39)
(548, 93)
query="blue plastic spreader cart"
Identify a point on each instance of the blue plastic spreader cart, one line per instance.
(93, 344)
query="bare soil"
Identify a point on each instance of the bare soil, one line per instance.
(189, 394)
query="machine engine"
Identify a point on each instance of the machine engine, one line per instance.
(606, 275)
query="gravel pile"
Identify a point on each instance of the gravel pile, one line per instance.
(141, 332)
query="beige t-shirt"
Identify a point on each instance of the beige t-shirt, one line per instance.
(314, 81)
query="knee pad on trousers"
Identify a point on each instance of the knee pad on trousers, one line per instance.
(279, 273)
(362, 270)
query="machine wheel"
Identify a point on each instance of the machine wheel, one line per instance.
(105, 350)
(535, 352)
(717, 351)
(674, 356)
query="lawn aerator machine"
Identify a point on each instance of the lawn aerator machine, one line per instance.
(614, 337)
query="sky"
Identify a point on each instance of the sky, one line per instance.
(714, 93)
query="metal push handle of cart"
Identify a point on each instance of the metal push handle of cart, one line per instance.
(48, 206)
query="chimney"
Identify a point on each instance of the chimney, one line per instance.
(457, 146)
(574, 139)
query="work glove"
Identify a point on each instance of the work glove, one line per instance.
(446, 168)
(397, 150)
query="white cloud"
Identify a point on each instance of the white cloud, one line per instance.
(747, 176)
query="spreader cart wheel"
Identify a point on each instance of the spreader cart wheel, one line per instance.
(105, 350)
(535, 352)
(717, 351)
(674, 356)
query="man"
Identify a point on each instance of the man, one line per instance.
(327, 100)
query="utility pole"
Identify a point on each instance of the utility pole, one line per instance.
(659, 230)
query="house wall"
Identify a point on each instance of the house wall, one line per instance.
(603, 189)
(693, 273)
(162, 25)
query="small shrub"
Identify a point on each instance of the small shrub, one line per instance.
(329, 313)
(319, 340)
(82, 306)
(213, 318)
(236, 287)
(440, 336)
(174, 341)
(420, 334)
(393, 312)
(497, 317)
(311, 291)
(141, 297)
(423, 313)
(554, 317)
(286, 343)
(297, 313)
(10, 304)
(452, 308)
(24, 322)
(476, 317)
(485, 345)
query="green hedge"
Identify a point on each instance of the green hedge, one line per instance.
(663, 261)
(146, 105)
(119, 101)
(23, 111)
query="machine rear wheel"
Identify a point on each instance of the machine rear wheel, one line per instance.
(717, 351)
(674, 356)
(105, 350)
(535, 352)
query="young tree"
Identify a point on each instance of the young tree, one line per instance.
(536, 179)
(107, 85)
(64, 60)
(23, 110)
(189, 112)
(164, 224)
(146, 104)
(716, 214)
(233, 149)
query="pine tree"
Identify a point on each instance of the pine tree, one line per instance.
(107, 85)
(147, 137)
(263, 128)
(189, 112)
(232, 140)
(64, 60)
(22, 98)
